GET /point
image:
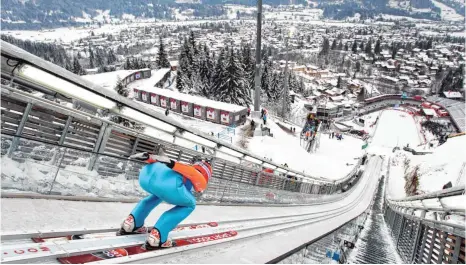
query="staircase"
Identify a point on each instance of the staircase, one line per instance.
(374, 245)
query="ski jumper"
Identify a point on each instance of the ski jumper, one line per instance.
(171, 183)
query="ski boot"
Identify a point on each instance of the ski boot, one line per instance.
(128, 227)
(153, 241)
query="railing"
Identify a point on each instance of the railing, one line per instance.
(44, 168)
(41, 76)
(422, 240)
(51, 149)
(225, 134)
(447, 200)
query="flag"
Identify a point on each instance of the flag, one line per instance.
(364, 146)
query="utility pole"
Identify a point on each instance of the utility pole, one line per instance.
(257, 79)
(285, 88)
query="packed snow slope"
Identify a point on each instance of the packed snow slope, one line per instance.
(332, 160)
(394, 128)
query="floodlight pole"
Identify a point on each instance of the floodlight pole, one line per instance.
(257, 79)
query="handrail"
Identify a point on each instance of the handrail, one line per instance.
(417, 238)
(234, 173)
(436, 194)
(460, 228)
(24, 58)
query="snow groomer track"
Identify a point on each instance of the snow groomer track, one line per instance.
(240, 238)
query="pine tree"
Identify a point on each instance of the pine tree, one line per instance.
(274, 87)
(377, 47)
(230, 88)
(339, 82)
(128, 64)
(340, 45)
(394, 51)
(135, 64)
(186, 68)
(358, 66)
(248, 65)
(265, 77)
(325, 47)
(369, 47)
(205, 71)
(77, 68)
(162, 56)
(121, 89)
(346, 46)
(179, 78)
(192, 42)
(361, 46)
(99, 58)
(354, 49)
(91, 58)
(334, 44)
(218, 74)
(111, 57)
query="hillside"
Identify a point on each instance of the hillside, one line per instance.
(421, 9)
(41, 14)
(430, 172)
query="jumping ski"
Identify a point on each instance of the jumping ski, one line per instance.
(128, 251)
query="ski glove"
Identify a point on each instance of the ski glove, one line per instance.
(151, 158)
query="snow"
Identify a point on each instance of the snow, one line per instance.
(128, 17)
(394, 128)
(70, 34)
(396, 181)
(448, 13)
(333, 159)
(110, 79)
(232, 9)
(442, 166)
(398, 128)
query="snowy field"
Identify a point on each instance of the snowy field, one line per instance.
(447, 12)
(70, 34)
(108, 80)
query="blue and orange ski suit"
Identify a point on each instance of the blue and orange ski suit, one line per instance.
(171, 183)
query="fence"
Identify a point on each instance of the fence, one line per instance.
(51, 149)
(46, 80)
(225, 134)
(422, 240)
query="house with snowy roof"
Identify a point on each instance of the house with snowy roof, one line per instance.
(452, 94)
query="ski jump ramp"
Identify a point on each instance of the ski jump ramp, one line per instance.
(261, 233)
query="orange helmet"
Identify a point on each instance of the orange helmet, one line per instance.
(204, 168)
